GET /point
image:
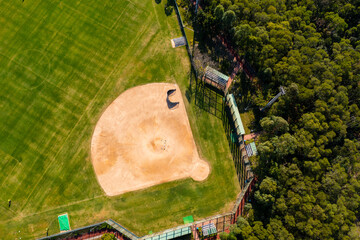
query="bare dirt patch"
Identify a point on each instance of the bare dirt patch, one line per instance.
(139, 142)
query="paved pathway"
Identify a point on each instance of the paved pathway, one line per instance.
(251, 136)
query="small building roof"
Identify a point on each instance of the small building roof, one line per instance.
(235, 114)
(178, 42)
(217, 77)
(209, 229)
(251, 149)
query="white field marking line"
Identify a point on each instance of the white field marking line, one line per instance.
(138, 6)
(7, 154)
(12, 170)
(86, 17)
(35, 161)
(36, 74)
(51, 162)
(156, 15)
(28, 15)
(120, 15)
(47, 144)
(137, 38)
(28, 106)
(9, 210)
(77, 43)
(58, 207)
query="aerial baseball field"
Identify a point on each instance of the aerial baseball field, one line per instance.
(85, 128)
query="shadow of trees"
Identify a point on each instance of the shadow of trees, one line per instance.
(169, 7)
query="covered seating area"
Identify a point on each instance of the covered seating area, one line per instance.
(215, 78)
(178, 42)
(240, 131)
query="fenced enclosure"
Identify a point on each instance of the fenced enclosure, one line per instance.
(236, 148)
(209, 99)
(212, 100)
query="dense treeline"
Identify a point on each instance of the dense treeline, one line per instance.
(309, 162)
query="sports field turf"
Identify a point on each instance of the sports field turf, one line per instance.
(61, 64)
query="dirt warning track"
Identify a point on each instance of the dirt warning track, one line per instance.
(139, 142)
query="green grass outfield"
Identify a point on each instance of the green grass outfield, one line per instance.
(61, 64)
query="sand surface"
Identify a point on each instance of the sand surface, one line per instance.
(139, 142)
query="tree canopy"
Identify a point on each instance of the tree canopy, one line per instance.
(308, 166)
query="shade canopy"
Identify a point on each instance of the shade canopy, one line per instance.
(215, 78)
(178, 42)
(235, 115)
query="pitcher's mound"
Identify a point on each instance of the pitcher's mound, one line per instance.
(140, 141)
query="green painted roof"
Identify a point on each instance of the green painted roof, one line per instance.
(188, 219)
(235, 114)
(173, 234)
(64, 222)
(253, 148)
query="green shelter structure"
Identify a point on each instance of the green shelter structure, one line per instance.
(240, 131)
(64, 222)
(215, 78)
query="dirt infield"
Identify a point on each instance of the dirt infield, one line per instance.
(139, 142)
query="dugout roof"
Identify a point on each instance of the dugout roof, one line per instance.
(235, 115)
(178, 42)
(209, 229)
(251, 149)
(216, 78)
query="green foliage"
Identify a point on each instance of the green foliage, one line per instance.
(219, 12)
(228, 19)
(308, 162)
(274, 125)
(108, 236)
